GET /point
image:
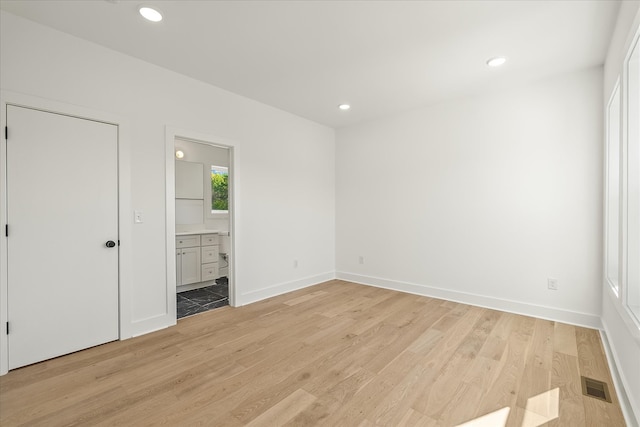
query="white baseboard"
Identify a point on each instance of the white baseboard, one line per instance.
(282, 288)
(548, 313)
(619, 381)
(193, 286)
(152, 324)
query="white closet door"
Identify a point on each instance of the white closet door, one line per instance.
(62, 209)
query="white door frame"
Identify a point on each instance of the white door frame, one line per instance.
(171, 135)
(124, 206)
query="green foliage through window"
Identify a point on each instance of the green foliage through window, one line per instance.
(219, 188)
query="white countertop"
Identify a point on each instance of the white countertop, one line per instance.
(187, 233)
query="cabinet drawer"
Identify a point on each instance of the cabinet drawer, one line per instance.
(209, 271)
(209, 254)
(189, 241)
(209, 239)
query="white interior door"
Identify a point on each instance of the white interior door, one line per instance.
(62, 209)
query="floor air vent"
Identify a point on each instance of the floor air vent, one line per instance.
(595, 388)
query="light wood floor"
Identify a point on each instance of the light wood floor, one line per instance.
(335, 354)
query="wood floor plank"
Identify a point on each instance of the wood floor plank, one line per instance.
(504, 389)
(334, 354)
(314, 414)
(369, 396)
(463, 405)
(447, 385)
(398, 401)
(304, 298)
(564, 339)
(565, 376)
(284, 378)
(284, 410)
(536, 376)
(440, 356)
(416, 419)
(591, 355)
(593, 364)
(482, 372)
(365, 305)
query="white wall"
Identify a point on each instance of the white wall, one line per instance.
(622, 334)
(481, 199)
(285, 200)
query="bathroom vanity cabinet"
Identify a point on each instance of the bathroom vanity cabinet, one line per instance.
(196, 258)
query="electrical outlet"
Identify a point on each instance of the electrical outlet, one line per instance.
(360, 259)
(552, 284)
(137, 217)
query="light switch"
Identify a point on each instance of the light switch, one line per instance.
(137, 217)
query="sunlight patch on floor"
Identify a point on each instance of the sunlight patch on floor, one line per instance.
(494, 419)
(542, 408)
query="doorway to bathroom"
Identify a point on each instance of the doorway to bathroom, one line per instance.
(203, 220)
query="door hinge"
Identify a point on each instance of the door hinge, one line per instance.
(7, 328)
(6, 132)
(6, 230)
(118, 242)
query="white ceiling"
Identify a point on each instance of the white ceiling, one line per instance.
(382, 57)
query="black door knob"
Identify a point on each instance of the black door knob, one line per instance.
(110, 243)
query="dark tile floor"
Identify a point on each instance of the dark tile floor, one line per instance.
(203, 299)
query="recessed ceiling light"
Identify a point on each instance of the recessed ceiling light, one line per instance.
(344, 107)
(497, 61)
(150, 14)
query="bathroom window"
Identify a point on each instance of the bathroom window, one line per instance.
(219, 189)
